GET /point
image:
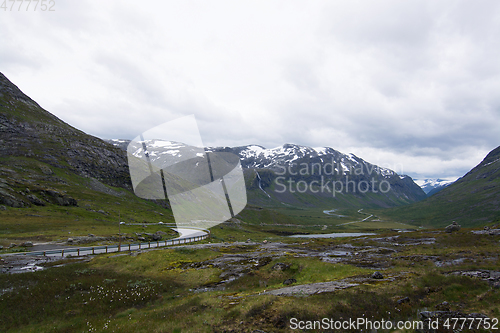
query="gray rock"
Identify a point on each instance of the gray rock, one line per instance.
(2, 207)
(280, 266)
(452, 227)
(35, 200)
(69, 240)
(1, 247)
(27, 244)
(156, 237)
(403, 300)
(141, 238)
(289, 281)
(10, 200)
(59, 198)
(377, 275)
(312, 288)
(12, 245)
(444, 306)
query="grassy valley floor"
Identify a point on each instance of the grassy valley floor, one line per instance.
(258, 285)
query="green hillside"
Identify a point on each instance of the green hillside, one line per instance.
(473, 200)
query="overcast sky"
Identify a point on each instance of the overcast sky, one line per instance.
(410, 85)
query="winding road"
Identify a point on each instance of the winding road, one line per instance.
(186, 235)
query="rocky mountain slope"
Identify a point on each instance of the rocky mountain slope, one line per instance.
(31, 136)
(27, 130)
(472, 200)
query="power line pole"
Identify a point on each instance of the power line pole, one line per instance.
(119, 233)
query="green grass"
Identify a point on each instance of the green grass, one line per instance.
(153, 291)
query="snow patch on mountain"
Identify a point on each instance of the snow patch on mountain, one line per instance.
(429, 184)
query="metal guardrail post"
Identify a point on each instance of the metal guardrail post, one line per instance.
(93, 250)
(44, 253)
(62, 253)
(106, 249)
(78, 252)
(129, 246)
(149, 245)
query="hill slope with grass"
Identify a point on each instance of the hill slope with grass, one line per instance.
(472, 200)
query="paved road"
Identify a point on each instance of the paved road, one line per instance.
(186, 235)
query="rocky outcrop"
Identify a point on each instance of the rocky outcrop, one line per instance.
(452, 227)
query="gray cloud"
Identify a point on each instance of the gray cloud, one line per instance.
(411, 83)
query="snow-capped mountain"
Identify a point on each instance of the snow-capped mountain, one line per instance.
(294, 174)
(291, 156)
(433, 185)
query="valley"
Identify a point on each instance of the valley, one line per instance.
(62, 187)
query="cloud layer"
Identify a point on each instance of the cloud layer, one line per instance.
(413, 84)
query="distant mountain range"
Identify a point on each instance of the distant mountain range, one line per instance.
(432, 186)
(305, 176)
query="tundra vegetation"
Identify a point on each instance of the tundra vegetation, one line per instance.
(226, 283)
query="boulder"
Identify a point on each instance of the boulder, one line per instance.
(377, 275)
(444, 306)
(35, 200)
(289, 281)
(452, 227)
(27, 244)
(1, 247)
(280, 266)
(403, 300)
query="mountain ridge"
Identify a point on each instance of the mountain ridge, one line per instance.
(319, 169)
